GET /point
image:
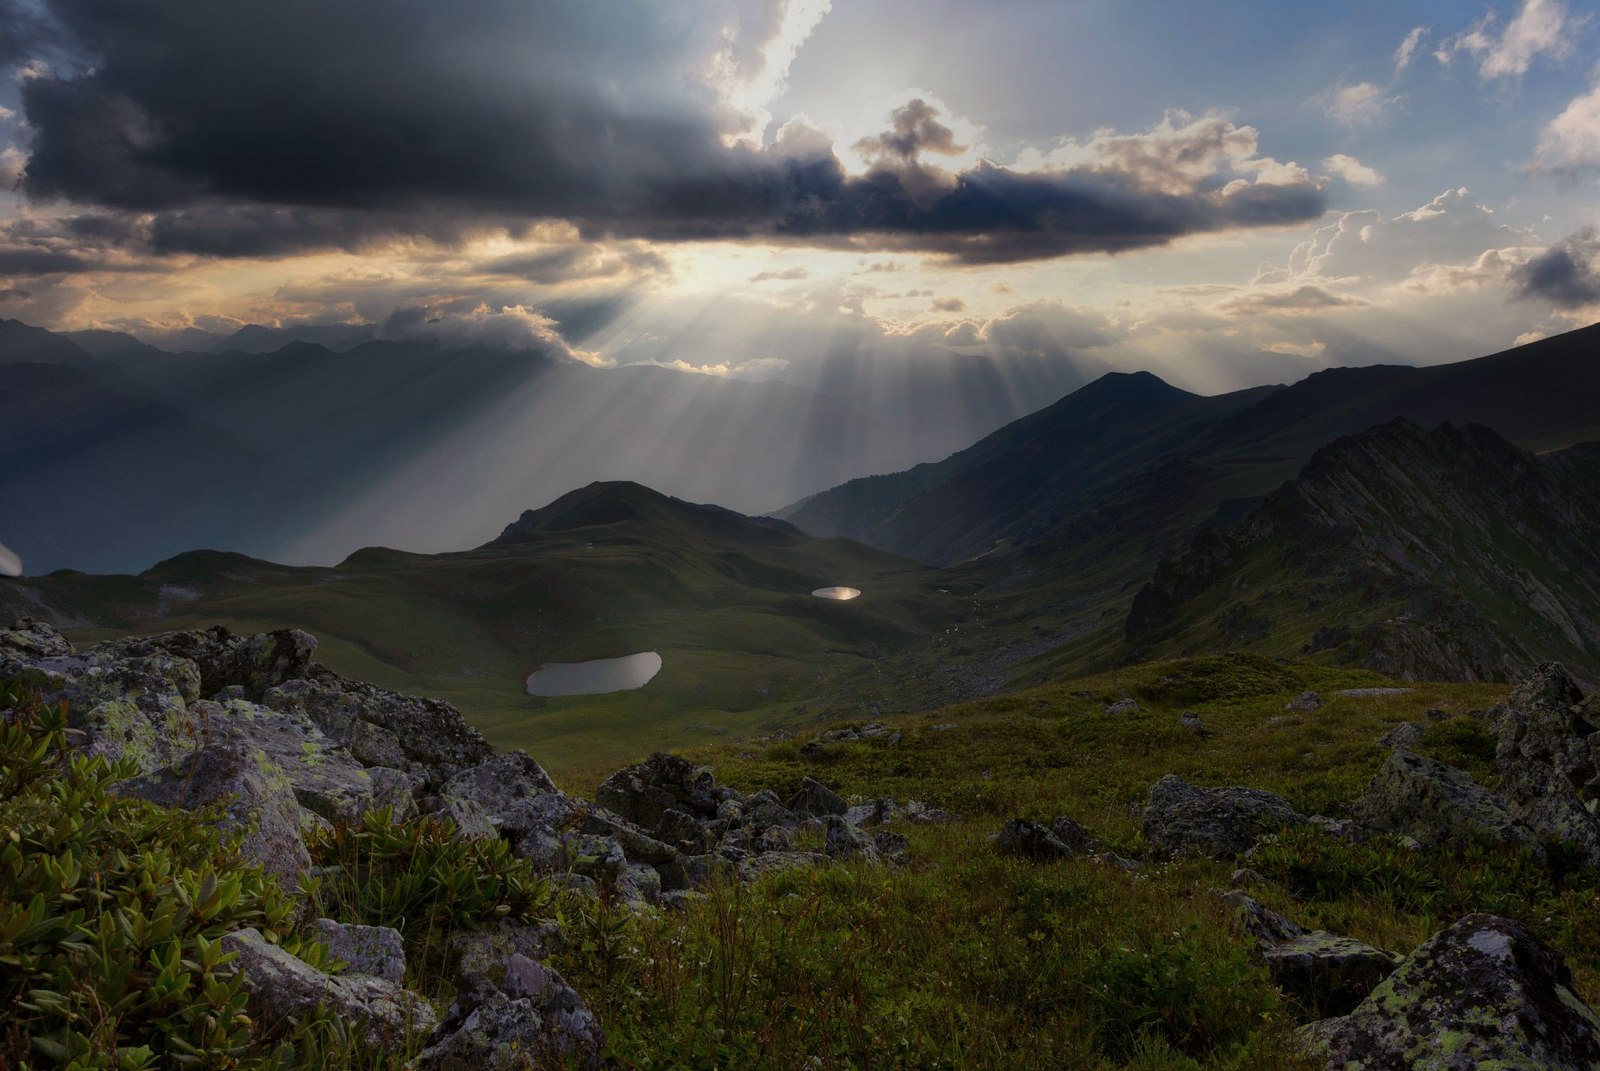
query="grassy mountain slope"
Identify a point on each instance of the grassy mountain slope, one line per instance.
(1448, 554)
(608, 570)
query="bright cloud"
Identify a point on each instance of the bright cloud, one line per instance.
(1541, 28)
(1353, 171)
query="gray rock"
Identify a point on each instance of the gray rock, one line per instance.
(515, 794)
(1260, 923)
(1180, 818)
(481, 954)
(255, 797)
(844, 841)
(28, 640)
(1125, 705)
(1542, 799)
(646, 794)
(327, 779)
(765, 863)
(818, 799)
(891, 848)
(1328, 973)
(1436, 804)
(282, 988)
(1191, 721)
(1030, 840)
(383, 728)
(640, 884)
(639, 845)
(1484, 993)
(1324, 971)
(1408, 734)
(223, 659)
(693, 871)
(531, 1018)
(1307, 702)
(375, 950)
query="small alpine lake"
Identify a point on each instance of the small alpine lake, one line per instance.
(596, 676)
(838, 594)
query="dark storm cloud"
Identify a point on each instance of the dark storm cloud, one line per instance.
(252, 129)
(1564, 274)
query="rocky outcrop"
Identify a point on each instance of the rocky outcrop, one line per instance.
(517, 1014)
(283, 988)
(1468, 560)
(1182, 819)
(1548, 754)
(1434, 804)
(1325, 972)
(228, 775)
(377, 951)
(1484, 993)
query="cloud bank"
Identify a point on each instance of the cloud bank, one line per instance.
(269, 129)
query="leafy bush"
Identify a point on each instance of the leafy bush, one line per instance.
(112, 911)
(423, 880)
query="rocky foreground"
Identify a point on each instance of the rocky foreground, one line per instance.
(208, 717)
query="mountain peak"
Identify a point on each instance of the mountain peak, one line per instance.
(610, 502)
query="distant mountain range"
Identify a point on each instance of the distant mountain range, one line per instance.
(1435, 522)
(306, 452)
(1131, 452)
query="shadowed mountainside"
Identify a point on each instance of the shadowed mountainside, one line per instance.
(1446, 555)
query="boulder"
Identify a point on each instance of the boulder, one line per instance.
(765, 863)
(1181, 818)
(1035, 842)
(1191, 721)
(1125, 705)
(1546, 722)
(378, 951)
(255, 798)
(647, 792)
(1435, 804)
(843, 841)
(327, 779)
(818, 799)
(1408, 734)
(530, 1017)
(515, 794)
(223, 659)
(1324, 971)
(282, 988)
(1306, 702)
(426, 737)
(1484, 993)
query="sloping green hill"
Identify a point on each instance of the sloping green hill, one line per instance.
(604, 571)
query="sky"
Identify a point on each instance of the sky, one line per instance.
(1224, 193)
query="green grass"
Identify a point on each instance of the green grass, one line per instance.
(965, 959)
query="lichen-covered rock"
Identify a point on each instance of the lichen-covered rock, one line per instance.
(693, 871)
(1484, 993)
(1326, 972)
(481, 954)
(1255, 920)
(28, 640)
(843, 841)
(1408, 734)
(1546, 723)
(327, 779)
(1032, 841)
(818, 799)
(1543, 800)
(134, 708)
(254, 663)
(532, 1019)
(375, 950)
(425, 737)
(283, 988)
(515, 793)
(776, 862)
(228, 774)
(1125, 705)
(1307, 702)
(1436, 804)
(645, 793)
(1181, 818)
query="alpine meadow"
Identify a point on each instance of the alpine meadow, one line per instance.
(799, 535)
